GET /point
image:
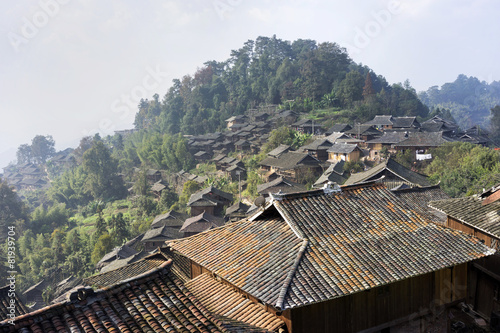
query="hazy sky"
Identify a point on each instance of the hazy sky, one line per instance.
(71, 68)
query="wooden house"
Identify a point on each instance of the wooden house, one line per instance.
(34, 295)
(318, 261)
(156, 237)
(419, 142)
(392, 174)
(364, 132)
(236, 212)
(292, 165)
(338, 128)
(318, 149)
(334, 174)
(385, 123)
(344, 152)
(236, 173)
(236, 120)
(171, 219)
(210, 200)
(280, 150)
(200, 223)
(387, 140)
(478, 215)
(202, 156)
(279, 185)
(307, 126)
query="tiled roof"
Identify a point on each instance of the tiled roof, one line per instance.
(223, 300)
(423, 139)
(237, 207)
(5, 303)
(380, 120)
(201, 222)
(207, 194)
(334, 173)
(390, 137)
(392, 166)
(126, 272)
(121, 252)
(471, 211)
(315, 246)
(405, 122)
(152, 302)
(290, 160)
(170, 219)
(118, 263)
(281, 149)
(162, 233)
(342, 148)
(363, 130)
(280, 184)
(339, 128)
(317, 144)
(419, 197)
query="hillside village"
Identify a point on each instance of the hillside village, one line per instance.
(286, 189)
(184, 252)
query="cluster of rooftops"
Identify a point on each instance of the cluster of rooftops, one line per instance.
(296, 250)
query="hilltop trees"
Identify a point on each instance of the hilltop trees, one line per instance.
(40, 150)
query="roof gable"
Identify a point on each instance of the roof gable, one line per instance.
(315, 246)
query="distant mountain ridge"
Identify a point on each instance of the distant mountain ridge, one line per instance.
(469, 100)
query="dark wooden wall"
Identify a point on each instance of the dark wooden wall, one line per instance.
(401, 301)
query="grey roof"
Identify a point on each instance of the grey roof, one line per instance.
(158, 187)
(117, 253)
(201, 222)
(380, 120)
(423, 139)
(171, 219)
(390, 137)
(162, 233)
(405, 122)
(242, 143)
(393, 167)
(342, 148)
(281, 149)
(290, 160)
(338, 128)
(317, 144)
(363, 129)
(334, 173)
(480, 212)
(280, 184)
(207, 194)
(419, 197)
(237, 207)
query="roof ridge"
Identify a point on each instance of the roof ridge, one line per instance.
(291, 274)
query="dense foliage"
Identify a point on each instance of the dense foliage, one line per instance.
(468, 98)
(301, 75)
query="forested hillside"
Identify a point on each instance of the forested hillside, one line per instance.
(301, 75)
(469, 100)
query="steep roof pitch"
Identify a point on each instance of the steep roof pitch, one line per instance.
(334, 173)
(170, 219)
(201, 222)
(390, 137)
(155, 301)
(223, 300)
(206, 195)
(471, 211)
(340, 128)
(363, 129)
(381, 120)
(392, 166)
(317, 144)
(280, 184)
(316, 246)
(281, 149)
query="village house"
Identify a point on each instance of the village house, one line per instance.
(307, 126)
(385, 123)
(319, 261)
(279, 185)
(344, 152)
(387, 141)
(364, 132)
(170, 219)
(478, 215)
(210, 200)
(200, 223)
(334, 174)
(318, 149)
(437, 124)
(156, 237)
(280, 150)
(419, 142)
(34, 295)
(293, 165)
(236, 212)
(391, 173)
(235, 120)
(338, 128)
(120, 252)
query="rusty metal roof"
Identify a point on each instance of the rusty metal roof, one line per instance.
(314, 246)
